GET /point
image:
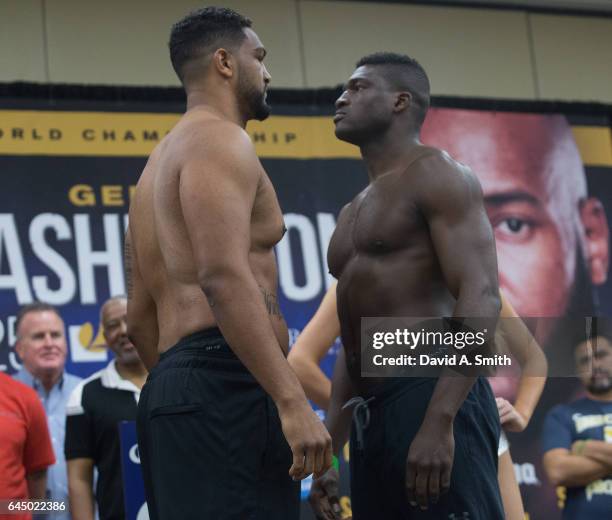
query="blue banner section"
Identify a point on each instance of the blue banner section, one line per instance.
(133, 488)
(61, 240)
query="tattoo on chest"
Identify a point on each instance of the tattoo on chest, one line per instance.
(271, 302)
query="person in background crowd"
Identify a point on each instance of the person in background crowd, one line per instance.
(94, 411)
(25, 445)
(577, 437)
(41, 345)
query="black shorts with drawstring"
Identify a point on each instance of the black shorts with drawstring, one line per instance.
(384, 425)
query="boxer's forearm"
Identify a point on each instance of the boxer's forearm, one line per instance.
(339, 426)
(452, 387)
(338, 421)
(477, 309)
(448, 396)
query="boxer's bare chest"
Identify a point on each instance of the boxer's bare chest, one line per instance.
(382, 220)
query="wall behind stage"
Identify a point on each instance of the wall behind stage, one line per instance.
(314, 43)
(67, 175)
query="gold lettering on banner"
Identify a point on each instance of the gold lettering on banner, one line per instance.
(135, 134)
(81, 195)
(109, 195)
(112, 196)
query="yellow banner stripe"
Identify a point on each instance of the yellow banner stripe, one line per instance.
(595, 144)
(107, 134)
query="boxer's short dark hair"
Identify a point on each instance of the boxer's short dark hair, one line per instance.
(403, 72)
(202, 32)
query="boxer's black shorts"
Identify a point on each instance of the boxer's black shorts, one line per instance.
(210, 439)
(379, 452)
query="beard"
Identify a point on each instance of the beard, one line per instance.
(253, 100)
(601, 386)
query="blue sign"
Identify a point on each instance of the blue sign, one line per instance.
(133, 487)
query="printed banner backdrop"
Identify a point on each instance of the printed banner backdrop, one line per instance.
(133, 487)
(67, 175)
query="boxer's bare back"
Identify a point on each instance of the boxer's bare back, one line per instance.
(160, 237)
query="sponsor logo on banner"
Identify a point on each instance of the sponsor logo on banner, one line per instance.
(83, 348)
(134, 454)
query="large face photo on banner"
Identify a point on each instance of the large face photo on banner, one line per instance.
(545, 207)
(547, 191)
(547, 183)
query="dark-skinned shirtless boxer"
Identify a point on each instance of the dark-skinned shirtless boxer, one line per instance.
(222, 416)
(416, 242)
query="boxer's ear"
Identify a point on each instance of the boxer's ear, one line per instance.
(403, 101)
(224, 62)
(596, 239)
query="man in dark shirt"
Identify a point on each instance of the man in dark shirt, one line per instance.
(577, 437)
(94, 411)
